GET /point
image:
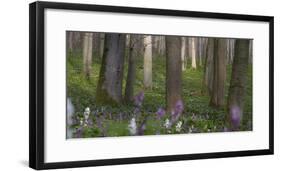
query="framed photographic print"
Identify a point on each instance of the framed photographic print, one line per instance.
(119, 85)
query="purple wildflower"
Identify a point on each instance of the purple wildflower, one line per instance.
(235, 116)
(138, 99)
(178, 109)
(160, 112)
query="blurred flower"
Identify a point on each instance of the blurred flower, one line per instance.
(178, 126)
(138, 99)
(178, 109)
(225, 129)
(81, 121)
(167, 123)
(133, 126)
(79, 132)
(87, 113)
(193, 117)
(142, 129)
(215, 128)
(235, 114)
(191, 129)
(160, 112)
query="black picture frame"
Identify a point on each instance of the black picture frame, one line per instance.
(37, 84)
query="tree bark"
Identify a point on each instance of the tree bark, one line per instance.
(87, 54)
(251, 52)
(109, 89)
(147, 62)
(183, 53)
(217, 98)
(193, 53)
(237, 89)
(173, 71)
(208, 68)
(131, 76)
(102, 41)
(70, 41)
(96, 45)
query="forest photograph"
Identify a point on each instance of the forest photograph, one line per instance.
(121, 84)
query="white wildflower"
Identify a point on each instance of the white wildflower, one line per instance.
(133, 126)
(178, 126)
(190, 130)
(81, 121)
(215, 127)
(87, 113)
(167, 123)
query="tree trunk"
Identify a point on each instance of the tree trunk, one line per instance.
(109, 89)
(70, 41)
(102, 39)
(173, 71)
(78, 40)
(87, 54)
(217, 98)
(251, 52)
(147, 62)
(162, 44)
(131, 76)
(193, 53)
(96, 45)
(208, 68)
(183, 54)
(232, 45)
(237, 89)
(199, 50)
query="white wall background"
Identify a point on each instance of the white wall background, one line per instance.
(14, 83)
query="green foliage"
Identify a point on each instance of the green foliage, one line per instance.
(197, 116)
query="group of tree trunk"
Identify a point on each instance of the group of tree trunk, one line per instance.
(213, 54)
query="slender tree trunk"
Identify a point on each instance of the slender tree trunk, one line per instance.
(162, 46)
(109, 89)
(131, 76)
(232, 45)
(228, 61)
(70, 41)
(173, 71)
(204, 49)
(208, 68)
(78, 40)
(200, 49)
(237, 89)
(96, 44)
(154, 45)
(193, 53)
(147, 62)
(217, 98)
(87, 54)
(102, 39)
(183, 54)
(251, 52)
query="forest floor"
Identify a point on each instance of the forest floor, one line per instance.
(113, 120)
